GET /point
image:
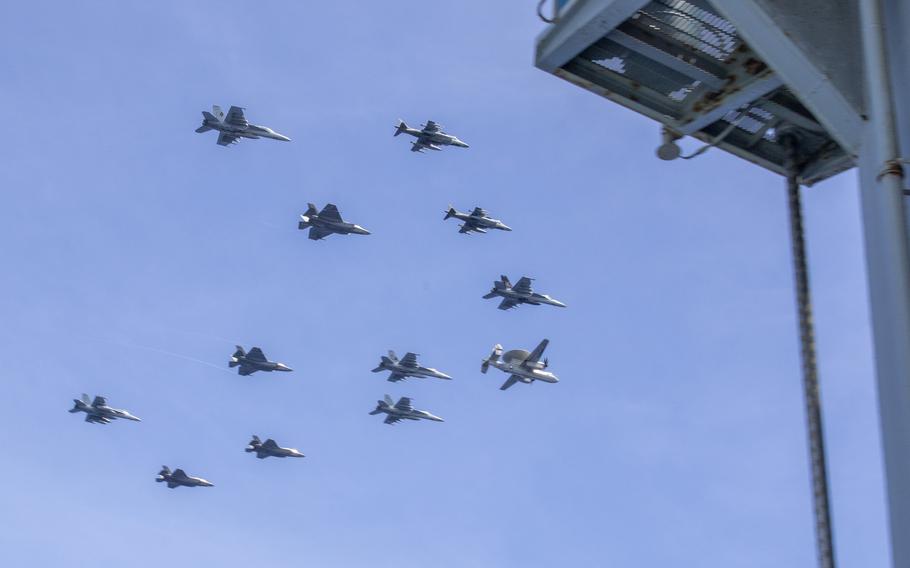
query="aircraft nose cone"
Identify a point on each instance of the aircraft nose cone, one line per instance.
(282, 137)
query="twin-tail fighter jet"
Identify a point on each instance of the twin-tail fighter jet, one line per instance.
(254, 361)
(327, 222)
(270, 449)
(477, 221)
(235, 126)
(430, 136)
(402, 410)
(98, 412)
(179, 478)
(406, 367)
(522, 366)
(520, 293)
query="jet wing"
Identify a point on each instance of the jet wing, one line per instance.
(404, 404)
(523, 286)
(409, 360)
(235, 117)
(172, 484)
(245, 370)
(99, 401)
(256, 354)
(508, 304)
(391, 419)
(509, 382)
(478, 212)
(395, 377)
(318, 233)
(179, 475)
(270, 444)
(225, 139)
(419, 146)
(468, 227)
(331, 213)
(431, 127)
(538, 351)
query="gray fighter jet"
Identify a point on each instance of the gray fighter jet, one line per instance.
(477, 221)
(234, 126)
(406, 367)
(522, 366)
(429, 136)
(179, 478)
(254, 361)
(326, 222)
(402, 410)
(520, 293)
(98, 412)
(271, 449)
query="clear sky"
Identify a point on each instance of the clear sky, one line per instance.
(136, 253)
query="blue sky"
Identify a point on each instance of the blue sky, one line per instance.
(137, 253)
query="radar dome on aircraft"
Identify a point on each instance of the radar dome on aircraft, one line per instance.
(516, 356)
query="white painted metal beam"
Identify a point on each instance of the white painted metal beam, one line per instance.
(759, 24)
(579, 26)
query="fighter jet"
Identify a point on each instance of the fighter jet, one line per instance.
(402, 410)
(477, 221)
(270, 448)
(521, 293)
(523, 366)
(98, 412)
(180, 478)
(254, 361)
(326, 222)
(429, 136)
(406, 367)
(235, 126)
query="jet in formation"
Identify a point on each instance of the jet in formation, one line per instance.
(406, 367)
(254, 361)
(430, 137)
(179, 478)
(98, 412)
(402, 410)
(234, 126)
(520, 293)
(522, 366)
(327, 222)
(477, 221)
(271, 449)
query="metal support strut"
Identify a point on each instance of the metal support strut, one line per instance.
(821, 501)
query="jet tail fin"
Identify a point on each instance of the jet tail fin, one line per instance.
(239, 352)
(400, 128)
(494, 356)
(450, 213)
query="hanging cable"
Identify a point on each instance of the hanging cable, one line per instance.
(820, 494)
(540, 13)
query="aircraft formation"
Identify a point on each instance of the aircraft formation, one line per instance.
(521, 365)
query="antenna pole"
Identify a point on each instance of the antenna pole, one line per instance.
(820, 495)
